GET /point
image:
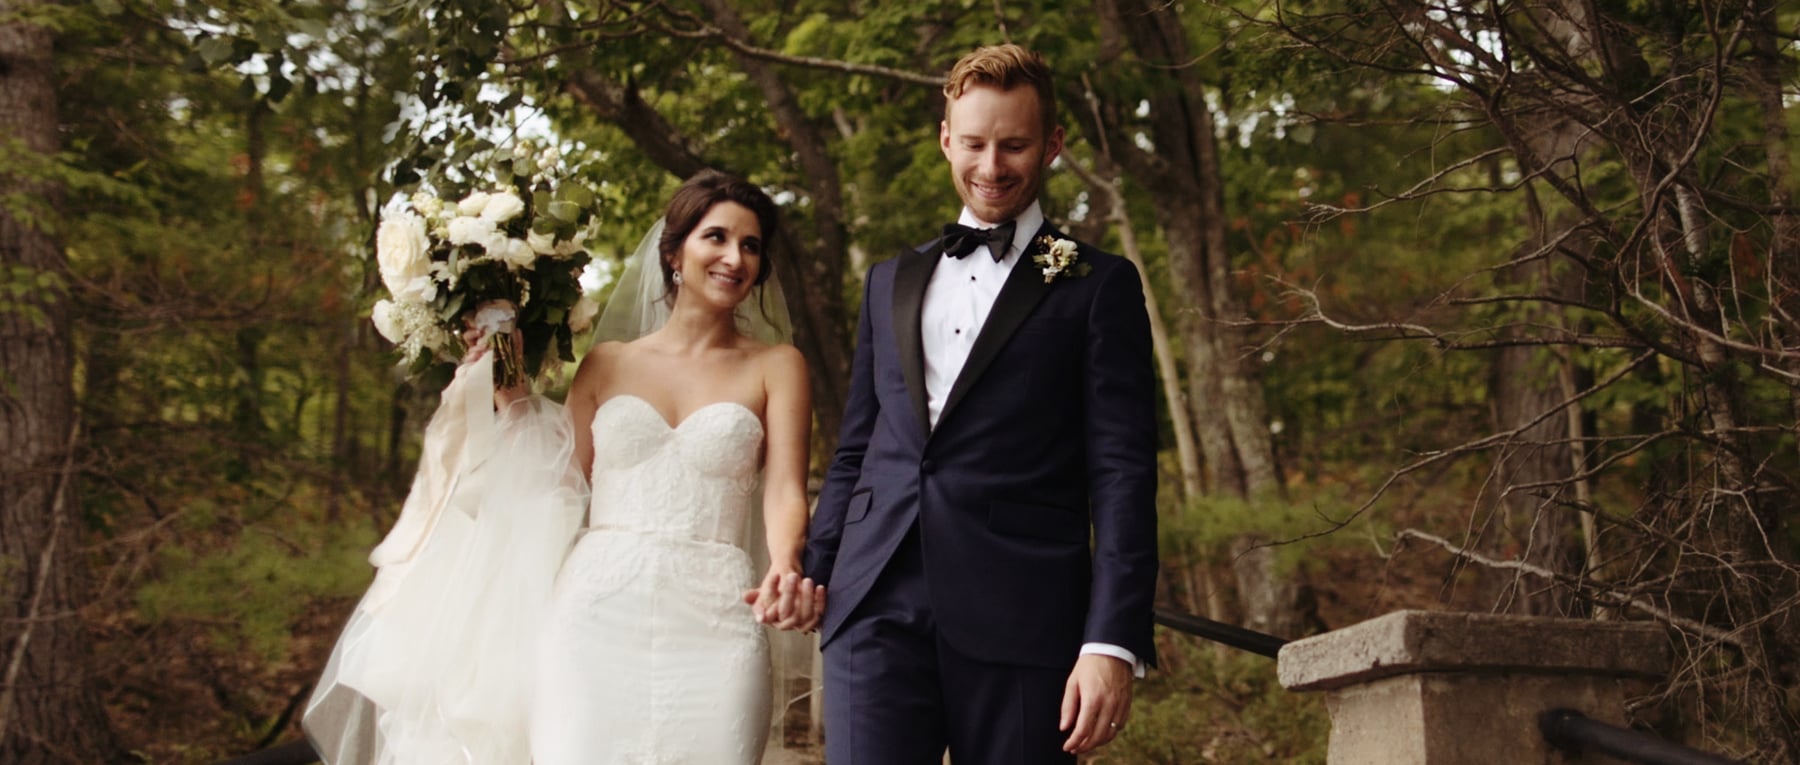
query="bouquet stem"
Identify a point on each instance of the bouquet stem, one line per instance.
(499, 321)
(509, 367)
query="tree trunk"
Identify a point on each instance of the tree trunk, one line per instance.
(1186, 450)
(1536, 470)
(1767, 42)
(1532, 474)
(50, 711)
(1225, 404)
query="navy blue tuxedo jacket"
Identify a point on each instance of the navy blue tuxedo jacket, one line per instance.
(1035, 494)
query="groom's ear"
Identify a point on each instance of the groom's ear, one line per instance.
(1053, 145)
(944, 137)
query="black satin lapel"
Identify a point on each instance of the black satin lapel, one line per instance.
(911, 275)
(1024, 287)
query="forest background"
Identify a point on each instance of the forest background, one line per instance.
(1487, 306)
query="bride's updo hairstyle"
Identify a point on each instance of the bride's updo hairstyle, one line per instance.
(691, 203)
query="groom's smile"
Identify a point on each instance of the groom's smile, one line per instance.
(997, 146)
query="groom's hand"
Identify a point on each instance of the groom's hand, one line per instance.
(1096, 702)
(787, 601)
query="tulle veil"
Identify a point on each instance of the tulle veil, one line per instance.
(434, 663)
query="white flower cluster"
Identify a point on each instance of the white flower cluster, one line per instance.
(1058, 259)
(411, 228)
(412, 326)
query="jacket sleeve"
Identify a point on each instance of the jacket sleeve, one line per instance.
(860, 411)
(1120, 398)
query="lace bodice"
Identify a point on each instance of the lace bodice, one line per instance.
(695, 480)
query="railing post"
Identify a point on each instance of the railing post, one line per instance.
(1435, 688)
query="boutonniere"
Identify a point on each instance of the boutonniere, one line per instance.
(1057, 259)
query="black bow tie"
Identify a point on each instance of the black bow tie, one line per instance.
(960, 240)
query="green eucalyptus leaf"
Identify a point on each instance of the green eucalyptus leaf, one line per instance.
(214, 49)
(576, 194)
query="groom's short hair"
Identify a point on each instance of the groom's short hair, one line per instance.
(1005, 67)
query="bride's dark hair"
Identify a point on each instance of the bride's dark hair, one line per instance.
(690, 204)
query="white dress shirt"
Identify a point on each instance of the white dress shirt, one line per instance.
(957, 301)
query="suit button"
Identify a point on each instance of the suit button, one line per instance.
(928, 467)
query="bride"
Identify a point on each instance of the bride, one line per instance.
(486, 639)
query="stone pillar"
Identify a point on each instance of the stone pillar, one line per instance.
(1435, 688)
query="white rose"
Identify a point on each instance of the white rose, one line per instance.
(550, 156)
(470, 230)
(419, 289)
(516, 252)
(542, 244)
(473, 204)
(582, 315)
(571, 246)
(386, 321)
(502, 207)
(401, 247)
(427, 204)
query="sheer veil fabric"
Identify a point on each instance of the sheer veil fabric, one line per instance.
(434, 664)
(640, 304)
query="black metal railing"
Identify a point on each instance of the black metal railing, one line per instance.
(1260, 643)
(1573, 732)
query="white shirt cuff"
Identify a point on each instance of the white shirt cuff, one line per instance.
(1108, 649)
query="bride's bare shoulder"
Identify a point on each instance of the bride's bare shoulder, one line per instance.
(781, 364)
(597, 364)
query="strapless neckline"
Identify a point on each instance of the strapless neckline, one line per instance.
(726, 406)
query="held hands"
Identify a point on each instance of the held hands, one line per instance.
(1096, 702)
(786, 601)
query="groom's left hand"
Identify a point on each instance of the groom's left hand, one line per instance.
(1096, 702)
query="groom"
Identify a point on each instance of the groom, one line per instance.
(987, 527)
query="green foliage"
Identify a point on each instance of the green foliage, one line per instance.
(1300, 529)
(24, 291)
(1210, 705)
(250, 584)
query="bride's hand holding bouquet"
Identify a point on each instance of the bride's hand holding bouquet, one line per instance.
(509, 252)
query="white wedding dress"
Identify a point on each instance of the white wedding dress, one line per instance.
(650, 656)
(486, 640)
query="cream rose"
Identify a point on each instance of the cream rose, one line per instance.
(386, 321)
(502, 207)
(581, 317)
(401, 248)
(473, 204)
(542, 244)
(470, 230)
(517, 253)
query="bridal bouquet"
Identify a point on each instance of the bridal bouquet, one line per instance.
(450, 265)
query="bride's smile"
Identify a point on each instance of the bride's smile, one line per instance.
(721, 257)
